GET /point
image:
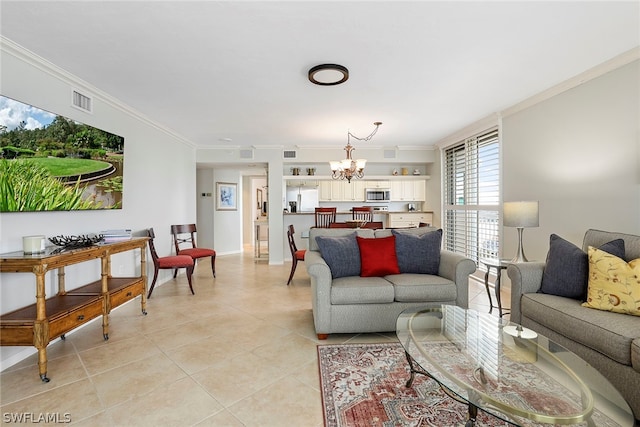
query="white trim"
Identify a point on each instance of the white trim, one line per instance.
(11, 48)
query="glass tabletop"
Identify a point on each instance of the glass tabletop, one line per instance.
(509, 371)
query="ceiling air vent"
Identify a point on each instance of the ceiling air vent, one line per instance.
(246, 154)
(389, 154)
(81, 101)
(289, 154)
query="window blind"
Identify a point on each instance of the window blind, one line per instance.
(472, 196)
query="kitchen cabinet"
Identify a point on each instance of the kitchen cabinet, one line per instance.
(50, 318)
(330, 191)
(409, 219)
(408, 191)
(354, 191)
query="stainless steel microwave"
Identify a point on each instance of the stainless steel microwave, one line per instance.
(377, 195)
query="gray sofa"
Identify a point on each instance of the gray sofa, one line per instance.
(372, 304)
(608, 341)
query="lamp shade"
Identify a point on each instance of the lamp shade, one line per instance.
(520, 214)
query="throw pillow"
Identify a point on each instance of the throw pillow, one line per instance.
(378, 256)
(567, 267)
(418, 253)
(614, 284)
(341, 254)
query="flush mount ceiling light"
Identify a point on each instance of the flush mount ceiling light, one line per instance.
(328, 74)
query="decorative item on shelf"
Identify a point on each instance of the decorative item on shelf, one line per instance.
(395, 172)
(311, 171)
(520, 215)
(32, 245)
(416, 172)
(295, 171)
(76, 241)
(405, 171)
(349, 168)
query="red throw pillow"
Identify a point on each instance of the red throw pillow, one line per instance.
(378, 256)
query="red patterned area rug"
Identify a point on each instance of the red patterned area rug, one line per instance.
(364, 385)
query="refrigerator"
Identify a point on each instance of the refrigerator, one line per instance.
(306, 198)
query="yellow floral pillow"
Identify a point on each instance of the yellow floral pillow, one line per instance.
(614, 284)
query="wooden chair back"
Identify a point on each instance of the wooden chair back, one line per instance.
(184, 234)
(364, 213)
(325, 216)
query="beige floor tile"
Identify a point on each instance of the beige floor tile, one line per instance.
(22, 383)
(200, 355)
(136, 379)
(287, 402)
(115, 354)
(79, 400)
(288, 352)
(236, 378)
(101, 419)
(180, 403)
(221, 419)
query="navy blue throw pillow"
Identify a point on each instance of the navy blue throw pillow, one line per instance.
(418, 253)
(341, 254)
(566, 271)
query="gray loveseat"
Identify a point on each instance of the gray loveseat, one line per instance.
(608, 341)
(357, 304)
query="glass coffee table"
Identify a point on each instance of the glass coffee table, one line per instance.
(506, 370)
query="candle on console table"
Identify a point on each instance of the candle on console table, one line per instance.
(33, 244)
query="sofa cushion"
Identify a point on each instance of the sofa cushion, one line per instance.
(418, 253)
(361, 290)
(608, 333)
(378, 256)
(422, 287)
(567, 267)
(341, 254)
(614, 284)
(635, 354)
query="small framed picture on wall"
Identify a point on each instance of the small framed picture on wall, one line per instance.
(226, 196)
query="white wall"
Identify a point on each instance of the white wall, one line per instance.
(228, 241)
(159, 181)
(578, 153)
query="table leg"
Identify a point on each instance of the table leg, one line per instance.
(486, 285)
(498, 297)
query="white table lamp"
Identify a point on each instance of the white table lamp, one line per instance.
(520, 215)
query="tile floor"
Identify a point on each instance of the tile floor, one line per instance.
(241, 352)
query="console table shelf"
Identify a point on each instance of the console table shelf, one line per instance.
(50, 318)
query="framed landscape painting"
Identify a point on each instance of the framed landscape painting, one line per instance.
(52, 163)
(226, 196)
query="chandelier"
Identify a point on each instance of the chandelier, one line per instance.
(348, 168)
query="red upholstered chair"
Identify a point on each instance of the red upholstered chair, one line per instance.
(325, 216)
(173, 262)
(184, 234)
(296, 255)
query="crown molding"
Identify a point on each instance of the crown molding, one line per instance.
(11, 48)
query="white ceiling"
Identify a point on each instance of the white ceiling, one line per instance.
(217, 70)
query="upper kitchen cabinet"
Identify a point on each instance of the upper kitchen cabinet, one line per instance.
(342, 191)
(354, 191)
(409, 191)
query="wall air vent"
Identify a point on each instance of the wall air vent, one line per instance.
(389, 154)
(246, 154)
(81, 101)
(289, 154)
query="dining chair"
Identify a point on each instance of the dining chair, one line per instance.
(364, 213)
(325, 216)
(296, 254)
(172, 262)
(186, 234)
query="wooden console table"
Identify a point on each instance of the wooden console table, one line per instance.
(50, 318)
